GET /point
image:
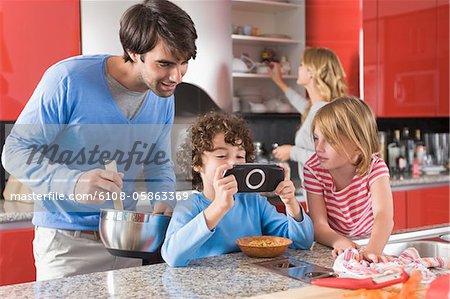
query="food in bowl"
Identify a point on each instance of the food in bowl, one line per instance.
(263, 246)
(132, 234)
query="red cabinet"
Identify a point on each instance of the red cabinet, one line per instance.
(34, 34)
(370, 59)
(422, 207)
(335, 24)
(428, 207)
(16, 256)
(399, 210)
(406, 57)
(443, 56)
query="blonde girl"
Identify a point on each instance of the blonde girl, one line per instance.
(323, 77)
(347, 184)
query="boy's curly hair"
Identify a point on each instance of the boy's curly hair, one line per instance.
(200, 139)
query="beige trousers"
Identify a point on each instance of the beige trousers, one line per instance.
(61, 253)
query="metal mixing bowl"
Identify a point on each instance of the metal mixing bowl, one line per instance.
(132, 234)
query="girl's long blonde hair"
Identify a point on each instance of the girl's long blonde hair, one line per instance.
(327, 73)
(349, 119)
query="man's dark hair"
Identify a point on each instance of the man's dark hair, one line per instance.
(143, 25)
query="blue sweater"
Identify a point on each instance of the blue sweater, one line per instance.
(189, 238)
(70, 125)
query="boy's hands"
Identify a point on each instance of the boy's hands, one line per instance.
(224, 187)
(286, 191)
(224, 190)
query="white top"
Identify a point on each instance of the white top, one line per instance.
(304, 144)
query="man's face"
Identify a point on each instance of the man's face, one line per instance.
(160, 70)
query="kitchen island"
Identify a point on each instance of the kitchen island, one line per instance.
(227, 276)
(230, 275)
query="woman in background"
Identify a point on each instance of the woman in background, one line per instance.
(321, 74)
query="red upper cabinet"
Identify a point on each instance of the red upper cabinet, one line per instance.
(370, 61)
(443, 54)
(34, 34)
(336, 24)
(408, 73)
(406, 57)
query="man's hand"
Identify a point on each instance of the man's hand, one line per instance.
(98, 182)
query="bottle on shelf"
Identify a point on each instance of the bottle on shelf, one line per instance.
(394, 152)
(382, 145)
(272, 157)
(259, 153)
(407, 148)
(420, 149)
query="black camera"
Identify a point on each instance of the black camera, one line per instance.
(254, 177)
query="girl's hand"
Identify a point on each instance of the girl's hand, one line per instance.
(373, 257)
(224, 187)
(283, 152)
(341, 245)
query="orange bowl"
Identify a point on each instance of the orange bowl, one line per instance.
(263, 246)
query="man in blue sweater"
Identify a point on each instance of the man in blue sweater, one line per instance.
(89, 109)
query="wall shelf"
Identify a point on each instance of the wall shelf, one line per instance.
(264, 5)
(280, 25)
(260, 76)
(257, 40)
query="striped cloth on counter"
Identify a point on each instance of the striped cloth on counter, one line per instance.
(349, 264)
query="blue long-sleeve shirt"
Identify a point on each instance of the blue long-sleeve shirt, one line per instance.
(70, 125)
(188, 236)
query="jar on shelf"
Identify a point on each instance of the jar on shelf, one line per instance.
(285, 66)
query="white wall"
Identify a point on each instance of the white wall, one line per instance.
(210, 70)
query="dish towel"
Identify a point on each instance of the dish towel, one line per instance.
(348, 264)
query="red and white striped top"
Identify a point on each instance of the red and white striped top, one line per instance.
(349, 210)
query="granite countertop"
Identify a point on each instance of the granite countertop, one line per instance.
(226, 276)
(230, 275)
(11, 211)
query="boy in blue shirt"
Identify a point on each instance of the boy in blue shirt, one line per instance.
(210, 222)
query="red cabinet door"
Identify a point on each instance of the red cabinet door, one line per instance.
(370, 56)
(399, 209)
(336, 24)
(34, 34)
(443, 54)
(427, 207)
(16, 256)
(407, 37)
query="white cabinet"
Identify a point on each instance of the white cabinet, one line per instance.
(280, 26)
